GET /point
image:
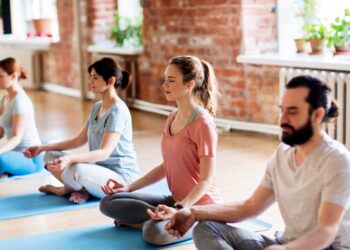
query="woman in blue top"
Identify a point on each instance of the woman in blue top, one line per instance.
(16, 122)
(108, 132)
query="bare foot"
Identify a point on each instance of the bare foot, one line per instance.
(119, 224)
(4, 176)
(79, 197)
(49, 189)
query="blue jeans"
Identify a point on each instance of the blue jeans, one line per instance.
(15, 163)
(219, 235)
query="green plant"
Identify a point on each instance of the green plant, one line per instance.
(306, 14)
(315, 31)
(127, 33)
(0, 8)
(340, 30)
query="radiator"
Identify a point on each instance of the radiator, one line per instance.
(340, 85)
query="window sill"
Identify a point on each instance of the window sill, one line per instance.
(326, 62)
(37, 44)
(110, 49)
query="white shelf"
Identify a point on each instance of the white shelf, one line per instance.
(327, 62)
(36, 44)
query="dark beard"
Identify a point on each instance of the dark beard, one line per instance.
(298, 136)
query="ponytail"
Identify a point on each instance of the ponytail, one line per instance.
(207, 93)
(124, 82)
(23, 74)
(332, 113)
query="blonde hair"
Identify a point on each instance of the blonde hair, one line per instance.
(206, 89)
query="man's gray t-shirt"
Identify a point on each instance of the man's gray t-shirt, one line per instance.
(20, 105)
(117, 119)
(324, 176)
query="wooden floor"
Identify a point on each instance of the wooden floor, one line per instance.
(240, 164)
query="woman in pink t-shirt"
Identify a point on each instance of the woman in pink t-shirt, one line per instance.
(189, 144)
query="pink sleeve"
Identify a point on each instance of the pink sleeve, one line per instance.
(206, 138)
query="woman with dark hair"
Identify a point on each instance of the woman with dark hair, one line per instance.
(16, 122)
(108, 131)
(188, 147)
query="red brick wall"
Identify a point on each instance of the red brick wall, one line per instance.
(96, 18)
(218, 31)
(60, 63)
(215, 30)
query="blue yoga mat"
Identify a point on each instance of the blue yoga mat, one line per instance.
(104, 237)
(39, 203)
(101, 237)
(18, 177)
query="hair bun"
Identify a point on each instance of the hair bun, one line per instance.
(125, 80)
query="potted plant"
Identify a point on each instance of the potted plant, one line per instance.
(305, 15)
(127, 33)
(316, 34)
(340, 34)
(41, 20)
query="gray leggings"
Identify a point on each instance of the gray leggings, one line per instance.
(220, 236)
(130, 208)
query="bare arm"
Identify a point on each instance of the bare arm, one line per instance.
(18, 122)
(207, 168)
(261, 199)
(183, 219)
(322, 236)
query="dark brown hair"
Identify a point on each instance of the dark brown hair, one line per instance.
(319, 95)
(106, 67)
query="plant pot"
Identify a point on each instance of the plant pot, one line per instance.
(342, 49)
(301, 45)
(317, 46)
(43, 26)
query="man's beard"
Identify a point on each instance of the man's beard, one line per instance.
(297, 136)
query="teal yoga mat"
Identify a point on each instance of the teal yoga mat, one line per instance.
(39, 203)
(19, 177)
(104, 237)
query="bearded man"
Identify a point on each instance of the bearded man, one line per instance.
(308, 176)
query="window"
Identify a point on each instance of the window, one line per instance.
(290, 25)
(25, 15)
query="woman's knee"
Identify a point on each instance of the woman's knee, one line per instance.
(154, 232)
(51, 155)
(106, 205)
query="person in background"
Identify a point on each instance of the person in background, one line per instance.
(17, 123)
(108, 131)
